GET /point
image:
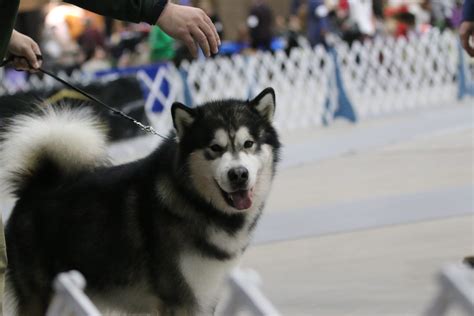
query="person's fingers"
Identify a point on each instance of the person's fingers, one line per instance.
(214, 30)
(211, 37)
(30, 55)
(190, 44)
(201, 39)
(37, 52)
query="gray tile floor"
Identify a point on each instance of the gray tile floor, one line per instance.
(368, 231)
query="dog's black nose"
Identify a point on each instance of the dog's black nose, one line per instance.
(238, 176)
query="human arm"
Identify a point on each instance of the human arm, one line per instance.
(191, 25)
(127, 10)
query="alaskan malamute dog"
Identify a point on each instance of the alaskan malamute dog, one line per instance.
(154, 236)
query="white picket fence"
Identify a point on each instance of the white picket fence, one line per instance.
(377, 77)
(313, 86)
(243, 296)
(388, 75)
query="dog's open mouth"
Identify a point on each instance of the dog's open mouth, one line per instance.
(241, 199)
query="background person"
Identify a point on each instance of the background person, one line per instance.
(260, 23)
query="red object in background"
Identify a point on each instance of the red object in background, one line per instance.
(401, 30)
(391, 11)
(344, 5)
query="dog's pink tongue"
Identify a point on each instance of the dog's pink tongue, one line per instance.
(242, 199)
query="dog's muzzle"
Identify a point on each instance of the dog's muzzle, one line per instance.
(241, 196)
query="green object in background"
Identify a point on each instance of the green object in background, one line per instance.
(161, 45)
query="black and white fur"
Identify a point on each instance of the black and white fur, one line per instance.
(157, 235)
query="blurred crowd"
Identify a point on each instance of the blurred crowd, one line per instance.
(73, 38)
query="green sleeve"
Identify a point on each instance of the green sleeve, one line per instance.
(8, 10)
(127, 10)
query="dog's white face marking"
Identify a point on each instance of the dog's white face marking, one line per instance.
(221, 138)
(238, 157)
(210, 168)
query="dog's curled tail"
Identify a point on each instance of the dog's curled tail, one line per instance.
(43, 147)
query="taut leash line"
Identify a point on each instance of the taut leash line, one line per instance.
(142, 126)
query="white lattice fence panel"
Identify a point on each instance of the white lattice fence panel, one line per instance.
(300, 80)
(219, 78)
(380, 76)
(468, 68)
(35, 82)
(388, 75)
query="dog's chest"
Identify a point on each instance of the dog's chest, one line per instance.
(232, 244)
(205, 275)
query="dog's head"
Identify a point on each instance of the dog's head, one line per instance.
(230, 149)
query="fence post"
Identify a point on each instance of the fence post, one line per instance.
(456, 288)
(183, 72)
(69, 298)
(464, 87)
(247, 296)
(344, 107)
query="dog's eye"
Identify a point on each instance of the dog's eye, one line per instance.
(216, 148)
(248, 144)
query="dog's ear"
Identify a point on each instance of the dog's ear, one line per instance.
(264, 103)
(183, 117)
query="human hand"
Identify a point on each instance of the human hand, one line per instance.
(192, 26)
(466, 32)
(23, 46)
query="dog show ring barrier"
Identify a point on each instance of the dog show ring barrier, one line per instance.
(69, 297)
(245, 296)
(314, 85)
(457, 288)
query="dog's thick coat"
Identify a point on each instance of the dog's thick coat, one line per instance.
(157, 235)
